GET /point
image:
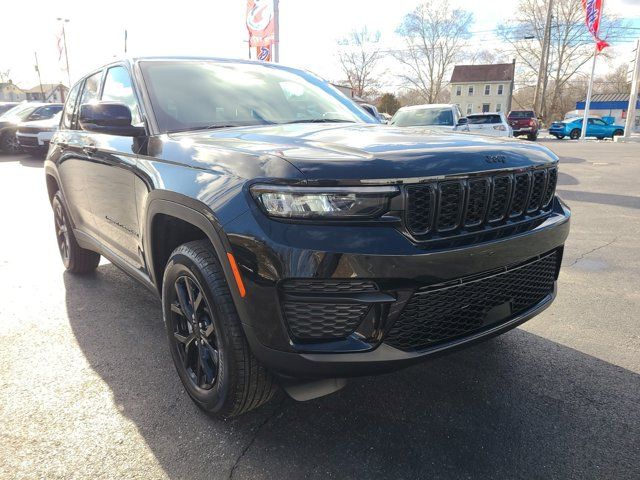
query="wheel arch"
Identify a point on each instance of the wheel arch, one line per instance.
(198, 222)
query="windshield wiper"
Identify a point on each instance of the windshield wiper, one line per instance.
(203, 127)
(319, 120)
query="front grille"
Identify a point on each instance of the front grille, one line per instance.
(28, 141)
(29, 130)
(448, 207)
(323, 321)
(434, 315)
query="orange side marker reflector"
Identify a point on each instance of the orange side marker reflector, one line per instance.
(236, 274)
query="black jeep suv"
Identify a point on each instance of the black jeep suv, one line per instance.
(291, 239)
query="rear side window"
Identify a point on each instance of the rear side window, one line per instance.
(117, 88)
(69, 107)
(483, 119)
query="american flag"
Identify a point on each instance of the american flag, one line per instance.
(593, 14)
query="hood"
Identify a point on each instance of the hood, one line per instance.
(368, 151)
(47, 123)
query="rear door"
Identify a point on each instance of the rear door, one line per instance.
(69, 159)
(111, 171)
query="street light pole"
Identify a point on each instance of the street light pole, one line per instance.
(66, 53)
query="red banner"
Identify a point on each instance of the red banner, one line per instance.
(593, 14)
(261, 23)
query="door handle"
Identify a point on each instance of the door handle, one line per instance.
(89, 149)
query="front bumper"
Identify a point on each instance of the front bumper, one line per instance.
(39, 141)
(271, 253)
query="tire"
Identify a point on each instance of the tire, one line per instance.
(75, 258)
(532, 136)
(559, 137)
(617, 133)
(9, 143)
(575, 134)
(209, 349)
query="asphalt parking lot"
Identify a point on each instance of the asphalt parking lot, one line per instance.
(87, 387)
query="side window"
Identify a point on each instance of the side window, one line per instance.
(44, 113)
(117, 88)
(91, 88)
(597, 121)
(69, 106)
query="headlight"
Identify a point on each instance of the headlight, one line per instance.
(323, 202)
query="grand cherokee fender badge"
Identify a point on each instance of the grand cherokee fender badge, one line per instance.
(495, 158)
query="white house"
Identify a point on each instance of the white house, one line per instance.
(483, 88)
(10, 92)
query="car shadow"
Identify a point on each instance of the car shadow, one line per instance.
(518, 406)
(626, 201)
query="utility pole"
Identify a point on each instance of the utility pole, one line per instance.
(66, 53)
(544, 61)
(631, 110)
(35, 54)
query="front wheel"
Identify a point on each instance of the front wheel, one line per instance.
(617, 133)
(559, 137)
(532, 136)
(207, 343)
(9, 143)
(575, 134)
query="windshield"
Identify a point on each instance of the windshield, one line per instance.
(423, 117)
(19, 112)
(192, 95)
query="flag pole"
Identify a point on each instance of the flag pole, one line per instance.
(587, 103)
(276, 45)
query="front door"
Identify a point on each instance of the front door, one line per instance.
(110, 175)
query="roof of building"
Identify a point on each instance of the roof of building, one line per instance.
(609, 97)
(45, 86)
(499, 72)
(608, 101)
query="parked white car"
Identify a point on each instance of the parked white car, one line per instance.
(441, 116)
(492, 124)
(35, 136)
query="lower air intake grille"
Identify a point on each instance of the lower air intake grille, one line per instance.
(436, 315)
(323, 321)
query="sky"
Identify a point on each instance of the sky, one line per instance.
(308, 31)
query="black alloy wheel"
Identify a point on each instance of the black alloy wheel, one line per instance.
(194, 333)
(9, 143)
(575, 134)
(62, 232)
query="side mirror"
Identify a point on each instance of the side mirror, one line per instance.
(108, 117)
(462, 121)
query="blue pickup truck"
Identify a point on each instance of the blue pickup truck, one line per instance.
(596, 127)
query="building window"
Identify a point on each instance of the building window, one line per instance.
(487, 89)
(498, 107)
(486, 107)
(469, 108)
(458, 90)
(500, 89)
(470, 90)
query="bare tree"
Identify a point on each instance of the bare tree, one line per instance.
(571, 46)
(359, 56)
(434, 36)
(616, 81)
(5, 75)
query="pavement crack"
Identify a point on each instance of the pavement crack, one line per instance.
(589, 252)
(256, 432)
